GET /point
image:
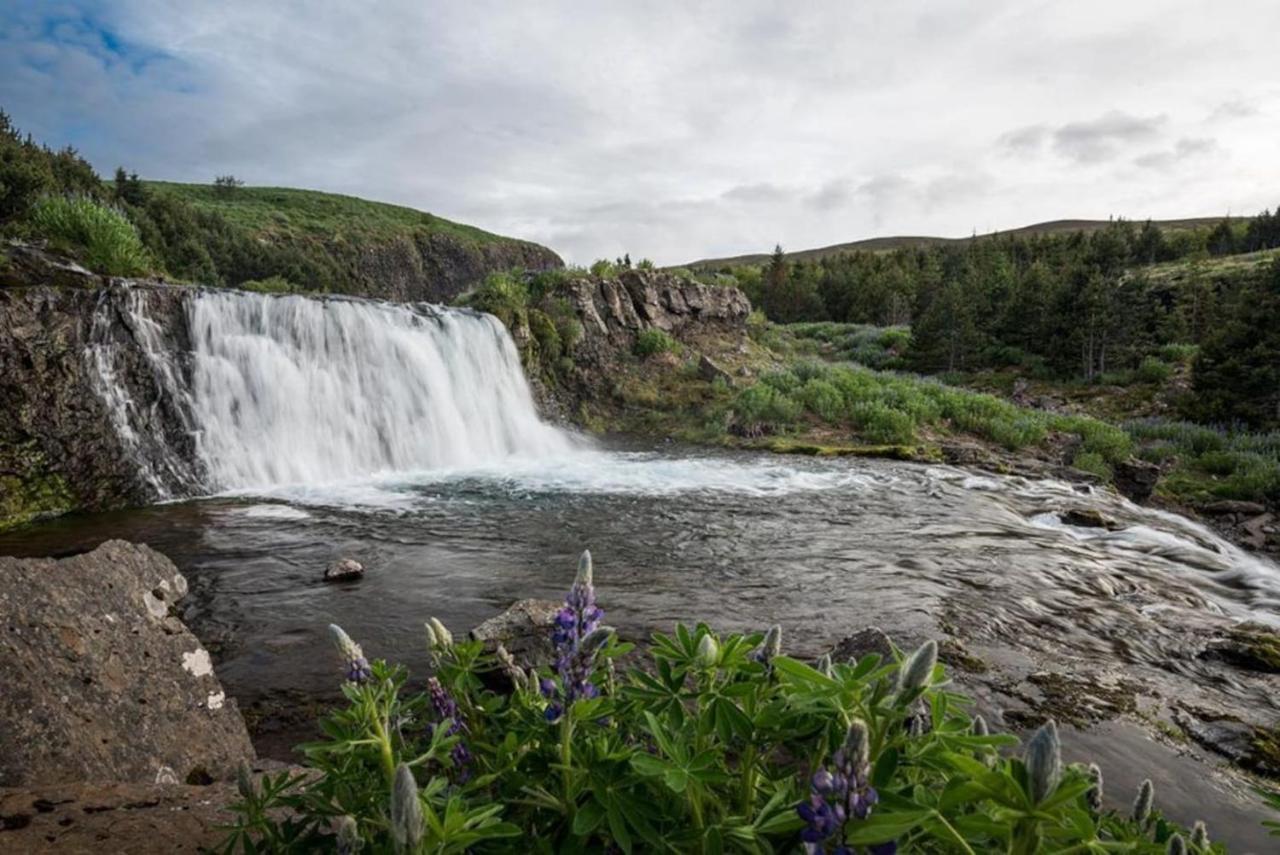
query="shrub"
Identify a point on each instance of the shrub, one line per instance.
(653, 341)
(762, 406)
(784, 381)
(100, 235)
(503, 294)
(270, 285)
(1091, 461)
(1180, 353)
(717, 739)
(823, 400)
(881, 423)
(546, 335)
(1113, 444)
(1152, 370)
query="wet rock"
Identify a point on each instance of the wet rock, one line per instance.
(1136, 479)
(1250, 645)
(101, 681)
(1228, 507)
(1256, 529)
(708, 370)
(524, 629)
(1247, 746)
(870, 640)
(344, 570)
(1078, 699)
(1088, 518)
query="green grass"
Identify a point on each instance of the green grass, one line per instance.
(99, 235)
(1209, 463)
(653, 341)
(287, 212)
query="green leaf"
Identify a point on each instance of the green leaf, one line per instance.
(676, 779)
(886, 765)
(881, 827)
(588, 818)
(802, 672)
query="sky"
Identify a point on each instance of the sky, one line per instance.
(675, 130)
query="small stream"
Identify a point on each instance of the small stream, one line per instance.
(824, 547)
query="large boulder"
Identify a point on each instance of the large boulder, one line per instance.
(524, 630)
(101, 682)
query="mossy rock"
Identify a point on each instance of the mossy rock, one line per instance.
(26, 500)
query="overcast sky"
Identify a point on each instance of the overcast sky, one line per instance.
(676, 130)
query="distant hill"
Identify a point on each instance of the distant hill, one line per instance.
(886, 244)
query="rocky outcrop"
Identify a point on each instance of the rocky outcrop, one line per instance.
(614, 311)
(59, 447)
(436, 267)
(101, 682)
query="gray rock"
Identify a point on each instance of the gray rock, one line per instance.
(708, 370)
(344, 570)
(870, 640)
(524, 629)
(101, 681)
(1136, 479)
(1087, 518)
(1227, 507)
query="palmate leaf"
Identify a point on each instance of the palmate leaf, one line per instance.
(801, 673)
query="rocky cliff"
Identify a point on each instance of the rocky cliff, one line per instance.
(59, 447)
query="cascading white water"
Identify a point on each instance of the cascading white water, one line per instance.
(295, 390)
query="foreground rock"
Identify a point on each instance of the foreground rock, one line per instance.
(344, 570)
(524, 630)
(101, 682)
(98, 818)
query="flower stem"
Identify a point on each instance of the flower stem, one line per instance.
(566, 757)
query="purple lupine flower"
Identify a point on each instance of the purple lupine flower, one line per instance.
(838, 794)
(577, 637)
(445, 707)
(357, 667)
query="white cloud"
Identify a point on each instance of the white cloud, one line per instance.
(673, 130)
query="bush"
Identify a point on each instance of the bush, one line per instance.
(881, 423)
(823, 400)
(761, 407)
(546, 335)
(653, 341)
(101, 236)
(1152, 370)
(1091, 461)
(270, 285)
(717, 739)
(1179, 353)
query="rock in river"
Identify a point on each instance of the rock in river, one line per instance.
(101, 682)
(344, 570)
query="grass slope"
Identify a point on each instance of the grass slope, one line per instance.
(288, 212)
(886, 244)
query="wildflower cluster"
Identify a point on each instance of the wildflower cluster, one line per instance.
(719, 743)
(839, 794)
(577, 637)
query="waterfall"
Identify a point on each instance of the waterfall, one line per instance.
(290, 390)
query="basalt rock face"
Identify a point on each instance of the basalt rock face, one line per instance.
(59, 447)
(614, 311)
(101, 682)
(435, 268)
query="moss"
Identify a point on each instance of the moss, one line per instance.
(1265, 753)
(24, 500)
(1253, 647)
(783, 445)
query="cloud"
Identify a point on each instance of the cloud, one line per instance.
(716, 128)
(1184, 149)
(1105, 137)
(1024, 140)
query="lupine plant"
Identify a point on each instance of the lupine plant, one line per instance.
(712, 743)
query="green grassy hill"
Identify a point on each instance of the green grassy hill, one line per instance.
(288, 212)
(887, 244)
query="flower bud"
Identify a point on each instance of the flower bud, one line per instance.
(825, 666)
(584, 570)
(772, 645)
(917, 671)
(708, 652)
(348, 836)
(1093, 795)
(1176, 845)
(406, 811)
(438, 634)
(857, 744)
(979, 726)
(1200, 835)
(1043, 759)
(1142, 804)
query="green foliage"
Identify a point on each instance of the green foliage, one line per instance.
(1178, 353)
(822, 399)
(1153, 370)
(1212, 463)
(604, 268)
(652, 341)
(717, 743)
(1092, 461)
(30, 171)
(881, 423)
(763, 408)
(270, 285)
(100, 235)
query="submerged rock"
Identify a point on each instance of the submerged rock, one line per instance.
(1088, 518)
(869, 640)
(344, 570)
(101, 682)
